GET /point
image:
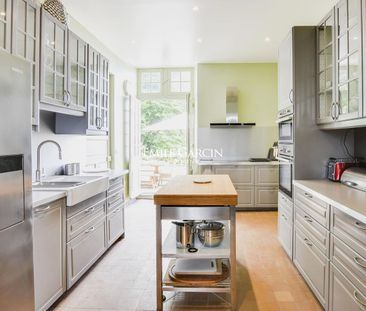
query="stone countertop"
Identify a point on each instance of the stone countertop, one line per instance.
(349, 200)
(234, 162)
(44, 197)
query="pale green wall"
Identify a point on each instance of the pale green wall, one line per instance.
(257, 85)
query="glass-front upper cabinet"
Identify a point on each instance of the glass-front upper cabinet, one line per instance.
(348, 60)
(94, 119)
(325, 68)
(104, 93)
(5, 25)
(77, 67)
(53, 88)
(26, 32)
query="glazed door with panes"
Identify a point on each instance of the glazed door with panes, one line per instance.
(325, 69)
(5, 25)
(53, 62)
(349, 60)
(26, 32)
(77, 66)
(94, 122)
(104, 93)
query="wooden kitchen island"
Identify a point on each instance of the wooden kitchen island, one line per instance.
(183, 199)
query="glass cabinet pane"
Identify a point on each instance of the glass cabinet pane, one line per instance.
(49, 84)
(31, 49)
(353, 96)
(31, 21)
(74, 92)
(354, 39)
(81, 74)
(81, 95)
(74, 71)
(2, 35)
(2, 9)
(20, 41)
(60, 63)
(342, 46)
(342, 17)
(73, 49)
(354, 66)
(50, 33)
(60, 37)
(60, 88)
(343, 71)
(21, 17)
(343, 98)
(329, 28)
(353, 12)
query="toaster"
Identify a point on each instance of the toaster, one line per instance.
(336, 167)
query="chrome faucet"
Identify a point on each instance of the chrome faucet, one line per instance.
(38, 171)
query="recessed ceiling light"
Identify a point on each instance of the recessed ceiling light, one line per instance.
(195, 8)
(267, 39)
(199, 40)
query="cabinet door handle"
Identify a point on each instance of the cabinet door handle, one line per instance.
(307, 241)
(290, 96)
(357, 261)
(117, 211)
(362, 303)
(91, 229)
(332, 114)
(308, 219)
(308, 195)
(42, 210)
(360, 225)
(284, 217)
(337, 110)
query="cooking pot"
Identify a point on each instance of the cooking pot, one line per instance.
(184, 233)
(210, 233)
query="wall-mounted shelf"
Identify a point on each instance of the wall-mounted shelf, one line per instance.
(232, 125)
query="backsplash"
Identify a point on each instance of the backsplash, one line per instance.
(236, 144)
(90, 151)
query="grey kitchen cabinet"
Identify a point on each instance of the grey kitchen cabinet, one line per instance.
(95, 120)
(115, 210)
(266, 175)
(49, 253)
(266, 196)
(340, 78)
(5, 24)
(53, 81)
(285, 223)
(25, 44)
(77, 69)
(85, 249)
(245, 196)
(325, 68)
(343, 294)
(285, 73)
(312, 264)
(243, 175)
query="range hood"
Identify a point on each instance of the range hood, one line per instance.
(232, 119)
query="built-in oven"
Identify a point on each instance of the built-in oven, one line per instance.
(286, 129)
(285, 158)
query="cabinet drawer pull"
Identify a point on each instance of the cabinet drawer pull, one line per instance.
(89, 210)
(308, 195)
(357, 261)
(284, 217)
(117, 211)
(42, 210)
(308, 219)
(362, 303)
(360, 225)
(91, 229)
(307, 241)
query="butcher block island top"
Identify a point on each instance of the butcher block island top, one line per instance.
(184, 191)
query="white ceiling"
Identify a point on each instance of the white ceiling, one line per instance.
(154, 33)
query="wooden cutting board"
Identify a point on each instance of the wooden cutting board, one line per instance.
(183, 191)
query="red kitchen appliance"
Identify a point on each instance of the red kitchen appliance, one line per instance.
(336, 167)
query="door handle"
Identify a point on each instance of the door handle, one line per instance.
(42, 210)
(360, 226)
(290, 96)
(332, 113)
(362, 303)
(357, 261)
(338, 110)
(307, 241)
(91, 229)
(308, 195)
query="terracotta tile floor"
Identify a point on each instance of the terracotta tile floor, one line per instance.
(124, 278)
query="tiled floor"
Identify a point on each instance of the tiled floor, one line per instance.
(124, 278)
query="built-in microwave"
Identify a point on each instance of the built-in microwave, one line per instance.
(286, 130)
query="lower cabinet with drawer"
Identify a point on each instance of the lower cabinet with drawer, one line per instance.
(115, 225)
(312, 264)
(49, 253)
(85, 249)
(285, 230)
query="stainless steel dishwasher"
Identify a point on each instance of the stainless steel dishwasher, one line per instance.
(49, 253)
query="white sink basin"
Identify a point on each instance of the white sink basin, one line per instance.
(85, 188)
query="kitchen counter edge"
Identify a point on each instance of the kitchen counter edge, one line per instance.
(45, 197)
(348, 200)
(218, 163)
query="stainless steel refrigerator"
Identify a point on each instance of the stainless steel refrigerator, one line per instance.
(16, 256)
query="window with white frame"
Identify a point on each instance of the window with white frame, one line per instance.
(164, 82)
(150, 82)
(180, 81)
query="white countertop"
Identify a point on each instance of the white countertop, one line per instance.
(111, 173)
(349, 200)
(234, 162)
(44, 197)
